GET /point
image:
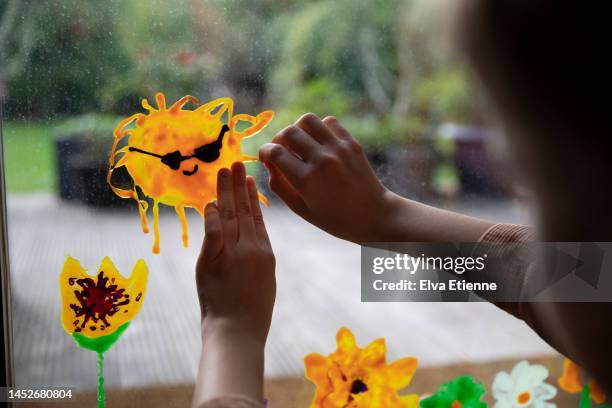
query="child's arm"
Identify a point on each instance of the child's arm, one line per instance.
(236, 287)
(322, 174)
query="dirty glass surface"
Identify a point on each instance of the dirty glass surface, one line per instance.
(70, 70)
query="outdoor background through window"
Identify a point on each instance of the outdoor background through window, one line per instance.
(71, 69)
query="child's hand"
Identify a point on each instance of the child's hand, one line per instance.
(236, 287)
(321, 172)
(235, 270)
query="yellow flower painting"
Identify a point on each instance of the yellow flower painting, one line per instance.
(97, 309)
(96, 306)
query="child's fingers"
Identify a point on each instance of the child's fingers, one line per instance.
(282, 188)
(243, 204)
(334, 125)
(227, 209)
(213, 238)
(292, 168)
(260, 226)
(312, 125)
(297, 140)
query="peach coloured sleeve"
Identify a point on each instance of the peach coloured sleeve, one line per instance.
(516, 262)
(505, 233)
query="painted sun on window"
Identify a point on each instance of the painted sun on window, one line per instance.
(173, 154)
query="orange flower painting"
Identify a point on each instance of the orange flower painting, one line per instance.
(359, 377)
(572, 381)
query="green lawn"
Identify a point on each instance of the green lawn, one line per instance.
(29, 157)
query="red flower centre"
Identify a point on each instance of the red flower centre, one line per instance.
(97, 301)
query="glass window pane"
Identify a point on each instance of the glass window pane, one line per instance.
(71, 70)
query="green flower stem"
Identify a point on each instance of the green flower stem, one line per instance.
(100, 380)
(100, 345)
(585, 399)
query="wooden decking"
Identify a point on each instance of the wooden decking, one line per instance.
(318, 292)
(298, 392)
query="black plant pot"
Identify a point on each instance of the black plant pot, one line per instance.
(69, 184)
(95, 190)
(479, 173)
(82, 174)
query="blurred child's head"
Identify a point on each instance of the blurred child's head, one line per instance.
(544, 65)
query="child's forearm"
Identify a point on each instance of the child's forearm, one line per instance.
(410, 221)
(232, 362)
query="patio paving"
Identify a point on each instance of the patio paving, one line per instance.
(318, 292)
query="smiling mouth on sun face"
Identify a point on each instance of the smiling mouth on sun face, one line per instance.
(192, 172)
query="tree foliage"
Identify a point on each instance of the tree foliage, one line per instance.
(376, 60)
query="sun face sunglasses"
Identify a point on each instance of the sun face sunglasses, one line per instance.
(207, 153)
